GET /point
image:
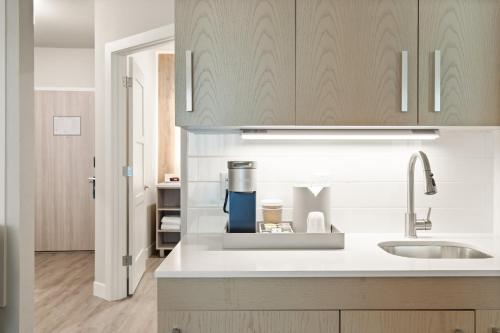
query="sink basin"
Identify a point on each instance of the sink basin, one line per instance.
(432, 250)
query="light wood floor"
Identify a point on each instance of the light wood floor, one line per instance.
(64, 300)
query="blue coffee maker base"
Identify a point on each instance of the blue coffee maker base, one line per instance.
(242, 213)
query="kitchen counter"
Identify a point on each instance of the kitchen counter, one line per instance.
(202, 256)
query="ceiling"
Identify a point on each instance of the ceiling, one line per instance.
(64, 23)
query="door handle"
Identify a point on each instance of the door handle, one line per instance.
(91, 180)
(189, 81)
(404, 81)
(437, 81)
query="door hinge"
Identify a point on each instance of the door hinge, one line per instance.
(127, 171)
(127, 82)
(127, 260)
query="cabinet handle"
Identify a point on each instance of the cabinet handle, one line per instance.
(437, 81)
(189, 81)
(404, 81)
(176, 330)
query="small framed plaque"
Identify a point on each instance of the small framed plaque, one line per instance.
(67, 126)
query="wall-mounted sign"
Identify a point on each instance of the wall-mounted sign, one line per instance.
(67, 125)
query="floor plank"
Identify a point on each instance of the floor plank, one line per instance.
(64, 300)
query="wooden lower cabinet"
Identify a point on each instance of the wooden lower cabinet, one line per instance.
(407, 322)
(488, 321)
(249, 321)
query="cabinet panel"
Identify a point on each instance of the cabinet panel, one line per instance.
(243, 62)
(467, 33)
(407, 321)
(349, 61)
(249, 321)
(488, 321)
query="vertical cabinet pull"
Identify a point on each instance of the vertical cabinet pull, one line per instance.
(189, 81)
(437, 81)
(404, 81)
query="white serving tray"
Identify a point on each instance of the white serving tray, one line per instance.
(304, 241)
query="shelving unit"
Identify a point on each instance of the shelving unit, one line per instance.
(168, 204)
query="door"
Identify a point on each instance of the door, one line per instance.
(357, 62)
(137, 220)
(249, 321)
(242, 67)
(407, 321)
(459, 62)
(488, 321)
(64, 157)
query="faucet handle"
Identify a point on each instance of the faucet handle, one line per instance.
(424, 224)
(429, 210)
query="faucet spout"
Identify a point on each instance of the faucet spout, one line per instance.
(411, 222)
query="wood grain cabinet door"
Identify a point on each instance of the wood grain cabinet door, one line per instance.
(249, 321)
(243, 62)
(407, 322)
(488, 321)
(466, 82)
(350, 62)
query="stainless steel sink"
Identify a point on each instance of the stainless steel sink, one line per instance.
(432, 250)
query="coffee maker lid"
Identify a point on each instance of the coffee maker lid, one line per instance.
(241, 165)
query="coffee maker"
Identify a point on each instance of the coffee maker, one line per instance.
(241, 196)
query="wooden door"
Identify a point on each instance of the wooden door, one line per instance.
(467, 35)
(249, 321)
(407, 321)
(488, 321)
(243, 62)
(350, 62)
(137, 225)
(64, 212)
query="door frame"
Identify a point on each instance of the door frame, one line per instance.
(115, 142)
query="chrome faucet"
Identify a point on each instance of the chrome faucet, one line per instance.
(412, 224)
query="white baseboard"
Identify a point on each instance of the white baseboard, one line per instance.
(100, 290)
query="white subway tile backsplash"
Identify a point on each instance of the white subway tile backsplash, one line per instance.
(368, 179)
(204, 194)
(192, 169)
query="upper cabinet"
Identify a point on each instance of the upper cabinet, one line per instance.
(459, 62)
(337, 62)
(357, 62)
(241, 69)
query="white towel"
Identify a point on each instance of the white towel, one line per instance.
(170, 227)
(171, 220)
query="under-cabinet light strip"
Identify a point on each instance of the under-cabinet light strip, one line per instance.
(346, 135)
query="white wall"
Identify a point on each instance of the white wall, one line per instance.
(3, 245)
(19, 203)
(135, 16)
(62, 67)
(368, 180)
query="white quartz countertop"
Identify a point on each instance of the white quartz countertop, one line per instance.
(202, 256)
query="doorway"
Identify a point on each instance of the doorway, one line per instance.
(125, 249)
(148, 124)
